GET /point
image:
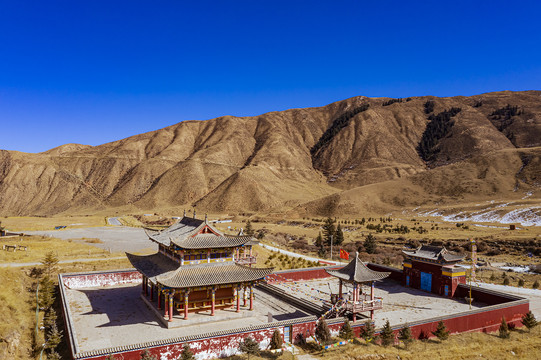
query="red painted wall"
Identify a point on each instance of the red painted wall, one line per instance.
(100, 279)
(303, 274)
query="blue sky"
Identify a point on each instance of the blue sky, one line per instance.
(91, 72)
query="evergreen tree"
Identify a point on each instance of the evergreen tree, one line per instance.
(492, 277)
(46, 293)
(368, 331)
(441, 331)
(506, 281)
(323, 333)
(319, 241)
(504, 329)
(248, 229)
(370, 244)
(535, 284)
(346, 332)
(387, 335)
(53, 337)
(249, 346)
(404, 335)
(49, 319)
(520, 282)
(53, 355)
(328, 231)
(187, 354)
(339, 236)
(49, 261)
(529, 320)
(276, 340)
(146, 355)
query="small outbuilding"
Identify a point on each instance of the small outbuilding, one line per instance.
(433, 269)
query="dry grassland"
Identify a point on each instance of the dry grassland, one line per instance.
(29, 223)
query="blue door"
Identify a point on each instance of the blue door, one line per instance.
(446, 290)
(287, 333)
(407, 280)
(426, 281)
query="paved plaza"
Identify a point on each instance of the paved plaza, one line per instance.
(400, 304)
(117, 315)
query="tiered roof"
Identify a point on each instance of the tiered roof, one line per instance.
(357, 271)
(160, 269)
(185, 234)
(433, 254)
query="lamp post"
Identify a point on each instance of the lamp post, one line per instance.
(331, 247)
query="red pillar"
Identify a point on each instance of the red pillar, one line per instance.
(159, 299)
(143, 285)
(171, 307)
(151, 292)
(238, 300)
(146, 287)
(165, 307)
(251, 297)
(244, 297)
(213, 302)
(186, 305)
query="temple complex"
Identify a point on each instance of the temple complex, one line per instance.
(433, 269)
(198, 268)
(358, 274)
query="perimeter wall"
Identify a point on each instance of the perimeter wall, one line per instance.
(225, 343)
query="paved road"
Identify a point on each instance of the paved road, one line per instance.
(114, 221)
(60, 262)
(114, 238)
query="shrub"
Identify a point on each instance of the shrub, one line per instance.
(520, 282)
(441, 331)
(506, 281)
(187, 353)
(249, 346)
(529, 320)
(387, 335)
(535, 284)
(404, 335)
(346, 332)
(504, 329)
(323, 334)
(276, 340)
(368, 331)
(146, 355)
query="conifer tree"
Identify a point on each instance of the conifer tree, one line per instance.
(49, 261)
(49, 319)
(53, 337)
(319, 240)
(441, 331)
(276, 340)
(249, 346)
(339, 236)
(187, 353)
(506, 281)
(53, 355)
(46, 293)
(387, 335)
(368, 331)
(323, 333)
(404, 335)
(520, 282)
(504, 329)
(346, 332)
(370, 244)
(249, 230)
(529, 320)
(328, 231)
(535, 284)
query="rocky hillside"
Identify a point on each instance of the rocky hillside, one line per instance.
(354, 154)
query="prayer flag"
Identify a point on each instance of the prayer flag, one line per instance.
(344, 254)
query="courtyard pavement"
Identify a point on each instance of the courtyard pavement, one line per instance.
(115, 316)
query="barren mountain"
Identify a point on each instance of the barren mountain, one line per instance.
(355, 154)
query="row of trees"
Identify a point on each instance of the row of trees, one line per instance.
(439, 127)
(338, 124)
(332, 234)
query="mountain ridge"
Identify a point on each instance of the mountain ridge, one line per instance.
(267, 162)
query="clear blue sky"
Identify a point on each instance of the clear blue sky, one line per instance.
(91, 72)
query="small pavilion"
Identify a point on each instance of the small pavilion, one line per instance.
(433, 269)
(198, 268)
(357, 274)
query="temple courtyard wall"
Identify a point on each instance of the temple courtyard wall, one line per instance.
(106, 314)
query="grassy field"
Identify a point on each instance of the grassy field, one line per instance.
(37, 246)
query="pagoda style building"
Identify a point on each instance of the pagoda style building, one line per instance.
(433, 269)
(357, 274)
(198, 268)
